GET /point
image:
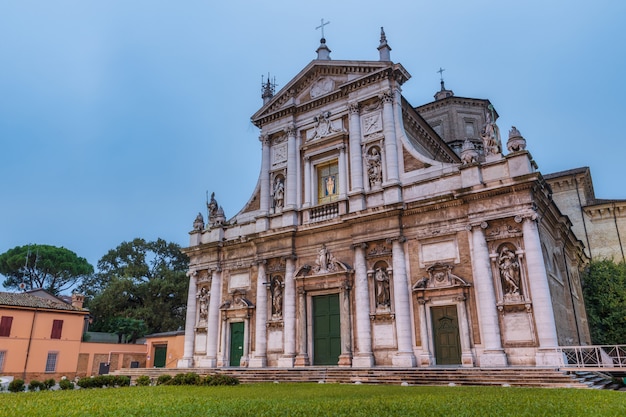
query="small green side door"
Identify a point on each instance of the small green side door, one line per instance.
(326, 330)
(160, 355)
(236, 343)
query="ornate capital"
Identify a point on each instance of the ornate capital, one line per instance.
(358, 245)
(192, 273)
(400, 239)
(264, 138)
(353, 107)
(290, 129)
(386, 96)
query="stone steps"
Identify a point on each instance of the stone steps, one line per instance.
(519, 377)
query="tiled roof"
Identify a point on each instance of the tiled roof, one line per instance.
(31, 301)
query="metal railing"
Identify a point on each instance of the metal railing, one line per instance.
(608, 356)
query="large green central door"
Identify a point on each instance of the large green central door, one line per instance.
(236, 343)
(326, 330)
(446, 333)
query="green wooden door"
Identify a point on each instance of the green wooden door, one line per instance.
(326, 330)
(446, 333)
(160, 355)
(236, 343)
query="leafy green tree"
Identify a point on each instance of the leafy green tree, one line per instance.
(128, 330)
(140, 280)
(43, 266)
(604, 290)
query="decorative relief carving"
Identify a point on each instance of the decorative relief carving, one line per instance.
(279, 155)
(381, 249)
(469, 154)
(276, 265)
(440, 276)
(322, 86)
(324, 126)
(372, 123)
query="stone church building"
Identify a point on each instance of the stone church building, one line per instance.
(384, 234)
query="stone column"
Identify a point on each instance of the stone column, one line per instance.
(357, 201)
(343, 172)
(190, 322)
(425, 358)
(302, 359)
(392, 193)
(265, 174)
(493, 355)
(345, 358)
(214, 319)
(259, 358)
(467, 359)
(364, 356)
(289, 316)
(391, 147)
(540, 292)
(404, 357)
(292, 155)
(308, 186)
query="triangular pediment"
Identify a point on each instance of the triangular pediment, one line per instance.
(321, 81)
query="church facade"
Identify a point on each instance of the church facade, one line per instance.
(382, 234)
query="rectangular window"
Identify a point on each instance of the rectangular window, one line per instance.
(2, 355)
(5, 326)
(57, 328)
(327, 182)
(51, 362)
(469, 129)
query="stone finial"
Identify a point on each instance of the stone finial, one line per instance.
(384, 49)
(469, 154)
(516, 141)
(323, 53)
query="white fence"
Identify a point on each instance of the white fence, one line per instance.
(610, 356)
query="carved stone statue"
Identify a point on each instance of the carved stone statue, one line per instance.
(203, 303)
(279, 192)
(374, 167)
(509, 272)
(491, 135)
(383, 296)
(212, 207)
(276, 289)
(198, 223)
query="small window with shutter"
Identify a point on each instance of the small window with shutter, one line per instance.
(5, 326)
(57, 328)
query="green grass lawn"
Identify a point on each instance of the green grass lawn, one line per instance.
(315, 400)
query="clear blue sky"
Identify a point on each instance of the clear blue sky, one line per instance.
(117, 116)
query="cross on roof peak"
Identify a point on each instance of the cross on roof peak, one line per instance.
(321, 26)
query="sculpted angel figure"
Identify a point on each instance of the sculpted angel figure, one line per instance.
(509, 271)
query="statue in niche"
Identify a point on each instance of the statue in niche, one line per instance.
(323, 259)
(198, 223)
(203, 302)
(509, 272)
(383, 296)
(276, 289)
(374, 167)
(279, 192)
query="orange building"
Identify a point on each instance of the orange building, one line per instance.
(164, 349)
(41, 338)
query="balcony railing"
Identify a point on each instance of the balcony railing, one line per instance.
(325, 212)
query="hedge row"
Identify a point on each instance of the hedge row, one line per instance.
(192, 378)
